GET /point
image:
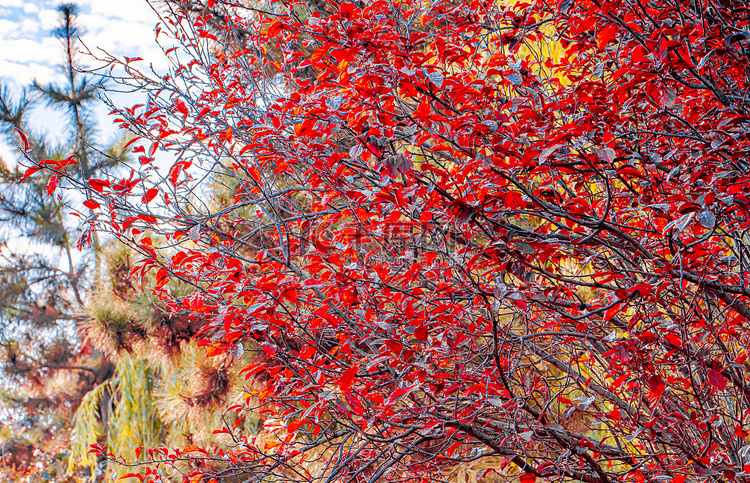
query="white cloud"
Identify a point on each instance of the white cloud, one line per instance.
(121, 28)
(28, 50)
(9, 28)
(48, 19)
(28, 27)
(119, 35)
(20, 74)
(130, 10)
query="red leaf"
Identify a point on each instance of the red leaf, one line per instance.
(423, 111)
(345, 383)
(630, 171)
(606, 35)
(131, 142)
(612, 312)
(656, 386)
(206, 35)
(421, 332)
(717, 380)
(269, 349)
(29, 172)
(52, 185)
(398, 393)
(161, 274)
(181, 107)
(24, 140)
(91, 204)
(150, 195)
(96, 448)
(176, 169)
(69, 161)
(527, 478)
(394, 346)
(98, 184)
(57, 164)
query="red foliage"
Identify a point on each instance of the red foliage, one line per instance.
(461, 231)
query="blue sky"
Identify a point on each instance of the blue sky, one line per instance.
(28, 51)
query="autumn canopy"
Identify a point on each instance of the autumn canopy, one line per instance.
(477, 239)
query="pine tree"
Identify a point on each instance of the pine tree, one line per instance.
(115, 366)
(44, 281)
(165, 391)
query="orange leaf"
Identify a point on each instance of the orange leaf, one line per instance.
(272, 444)
(273, 28)
(214, 351)
(132, 475)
